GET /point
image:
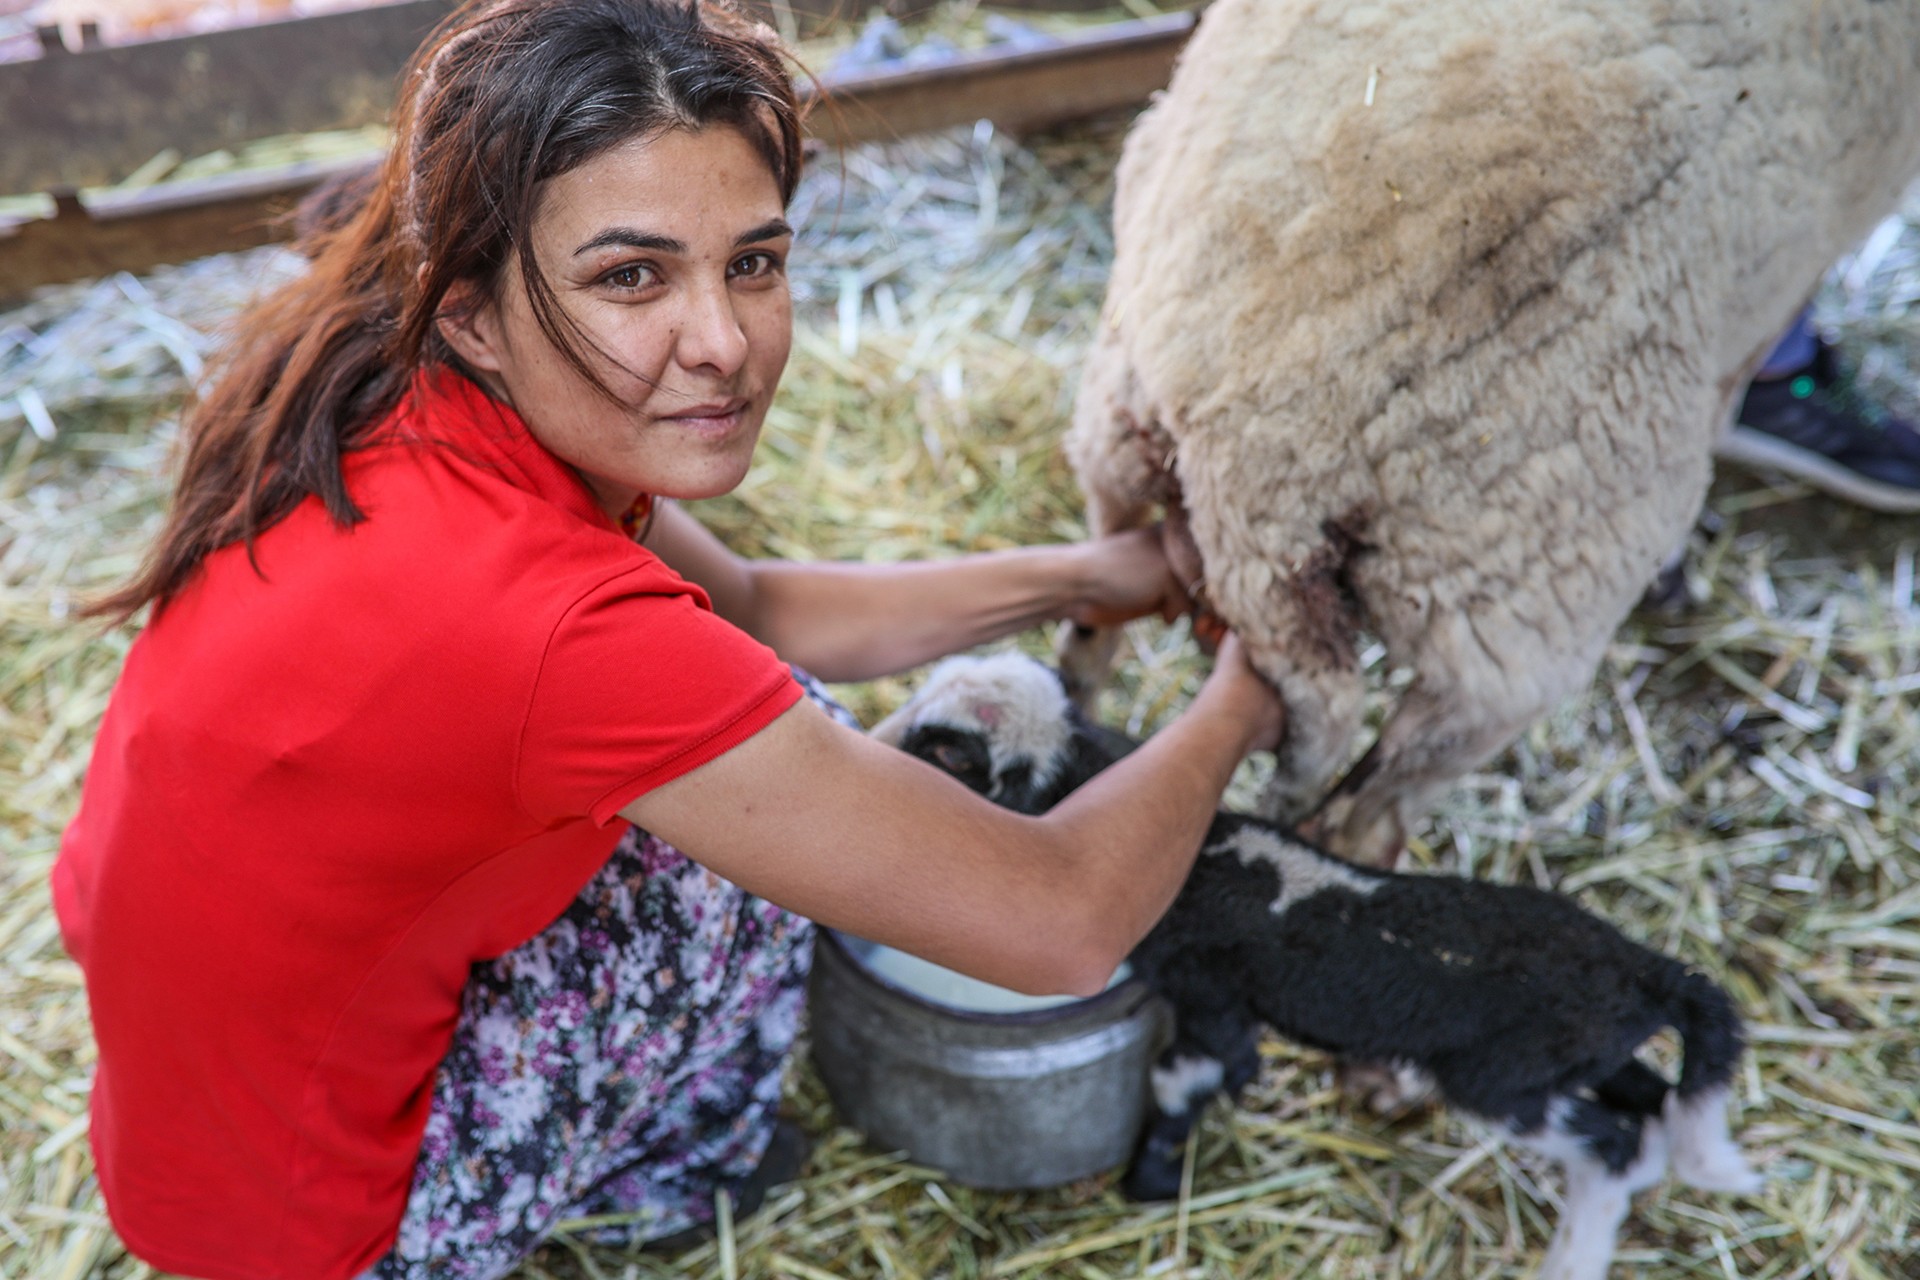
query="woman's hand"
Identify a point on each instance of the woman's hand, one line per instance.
(1235, 688)
(1124, 576)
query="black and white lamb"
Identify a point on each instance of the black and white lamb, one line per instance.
(1521, 1007)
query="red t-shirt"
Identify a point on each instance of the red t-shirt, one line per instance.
(320, 795)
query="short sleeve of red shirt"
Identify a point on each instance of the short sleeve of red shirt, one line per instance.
(634, 690)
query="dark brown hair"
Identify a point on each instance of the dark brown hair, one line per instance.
(504, 95)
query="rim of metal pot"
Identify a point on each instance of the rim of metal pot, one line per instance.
(1131, 990)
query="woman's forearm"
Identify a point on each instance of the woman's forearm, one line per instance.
(858, 621)
(1149, 812)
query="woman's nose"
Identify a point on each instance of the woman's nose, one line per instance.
(711, 335)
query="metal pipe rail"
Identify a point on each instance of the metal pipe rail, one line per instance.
(1072, 77)
(92, 117)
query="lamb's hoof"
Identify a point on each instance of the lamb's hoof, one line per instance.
(1562, 1267)
(1151, 1179)
(1156, 1169)
(1731, 1176)
(1668, 595)
(1384, 1088)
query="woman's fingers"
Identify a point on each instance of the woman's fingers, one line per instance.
(1130, 578)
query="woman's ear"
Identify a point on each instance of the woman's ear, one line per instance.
(471, 326)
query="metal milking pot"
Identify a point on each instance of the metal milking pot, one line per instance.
(997, 1100)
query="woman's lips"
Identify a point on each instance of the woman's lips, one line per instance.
(712, 409)
(721, 415)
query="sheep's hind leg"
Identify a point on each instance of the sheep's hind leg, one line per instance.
(1214, 1055)
(1607, 1155)
(1430, 740)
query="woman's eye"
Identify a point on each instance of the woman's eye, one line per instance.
(632, 276)
(750, 265)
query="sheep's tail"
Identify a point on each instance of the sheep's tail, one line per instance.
(1704, 1154)
(1710, 1036)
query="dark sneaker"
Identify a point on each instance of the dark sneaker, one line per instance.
(1814, 427)
(786, 1154)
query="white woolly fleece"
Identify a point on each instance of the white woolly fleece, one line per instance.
(1303, 872)
(1439, 337)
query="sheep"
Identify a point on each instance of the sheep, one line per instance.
(1519, 1006)
(1423, 320)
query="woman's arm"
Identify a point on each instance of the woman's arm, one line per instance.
(847, 622)
(826, 822)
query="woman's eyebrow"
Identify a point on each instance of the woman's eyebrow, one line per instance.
(772, 229)
(627, 237)
(631, 239)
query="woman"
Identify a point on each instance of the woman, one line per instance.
(382, 978)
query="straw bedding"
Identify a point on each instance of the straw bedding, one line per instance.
(1738, 786)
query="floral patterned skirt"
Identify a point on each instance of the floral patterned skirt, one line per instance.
(626, 1061)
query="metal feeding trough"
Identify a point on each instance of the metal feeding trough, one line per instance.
(997, 1090)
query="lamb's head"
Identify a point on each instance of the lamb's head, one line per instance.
(1003, 725)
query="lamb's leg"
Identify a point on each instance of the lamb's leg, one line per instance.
(1701, 1149)
(1209, 1055)
(1705, 1155)
(1582, 1245)
(1704, 1152)
(1387, 1088)
(1607, 1155)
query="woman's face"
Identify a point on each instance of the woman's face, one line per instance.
(670, 253)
